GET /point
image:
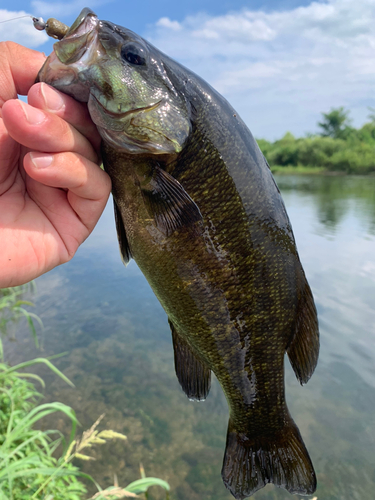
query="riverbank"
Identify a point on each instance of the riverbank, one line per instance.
(346, 150)
(300, 170)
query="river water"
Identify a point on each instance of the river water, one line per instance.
(120, 355)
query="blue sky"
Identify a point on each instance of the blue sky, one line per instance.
(280, 63)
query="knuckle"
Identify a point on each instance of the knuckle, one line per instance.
(64, 133)
(74, 168)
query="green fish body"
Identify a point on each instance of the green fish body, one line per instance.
(197, 208)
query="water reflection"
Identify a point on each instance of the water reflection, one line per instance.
(335, 198)
(121, 360)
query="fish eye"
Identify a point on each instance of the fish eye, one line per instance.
(134, 54)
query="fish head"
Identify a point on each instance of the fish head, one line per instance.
(124, 81)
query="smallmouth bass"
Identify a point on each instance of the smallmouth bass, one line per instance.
(197, 207)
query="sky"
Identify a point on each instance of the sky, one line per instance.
(280, 63)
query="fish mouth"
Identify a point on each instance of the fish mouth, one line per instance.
(116, 131)
(78, 38)
(72, 55)
(129, 112)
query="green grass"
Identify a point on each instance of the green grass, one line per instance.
(12, 308)
(37, 464)
(27, 454)
(299, 170)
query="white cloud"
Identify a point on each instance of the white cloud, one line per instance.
(20, 30)
(165, 22)
(233, 27)
(281, 69)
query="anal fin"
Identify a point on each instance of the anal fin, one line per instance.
(303, 349)
(193, 375)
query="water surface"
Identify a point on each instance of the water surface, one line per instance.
(121, 359)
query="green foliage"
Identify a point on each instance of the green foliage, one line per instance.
(371, 115)
(335, 123)
(340, 148)
(366, 134)
(12, 309)
(265, 146)
(31, 467)
(133, 490)
(142, 485)
(284, 151)
(27, 454)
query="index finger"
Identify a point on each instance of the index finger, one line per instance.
(19, 67)
(44, 97)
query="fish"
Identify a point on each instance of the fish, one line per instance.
(197, 208)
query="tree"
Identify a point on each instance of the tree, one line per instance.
(371, 116)
(336, 123)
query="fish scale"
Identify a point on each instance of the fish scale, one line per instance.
(197, 208)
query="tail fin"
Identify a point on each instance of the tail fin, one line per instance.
(281, 459)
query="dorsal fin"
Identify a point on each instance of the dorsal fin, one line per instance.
(193, 375)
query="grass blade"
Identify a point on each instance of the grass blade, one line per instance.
(35, 361)
(142, 485)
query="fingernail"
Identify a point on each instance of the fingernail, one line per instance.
(33, 116)
(41, 160)
(52, 98)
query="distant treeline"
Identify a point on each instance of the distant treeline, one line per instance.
(339, 147)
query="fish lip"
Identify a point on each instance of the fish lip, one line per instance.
(88, 18)
(130, 111)
(78, 39)
(143, 146)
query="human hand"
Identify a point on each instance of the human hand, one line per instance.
(52, 191)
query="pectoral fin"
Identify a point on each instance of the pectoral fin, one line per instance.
(193, 375)
(168, 203)
(121, 236)
(303, 349)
